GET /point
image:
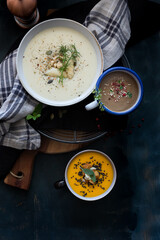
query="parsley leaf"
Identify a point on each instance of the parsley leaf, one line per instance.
(129, 94)
(36, 113)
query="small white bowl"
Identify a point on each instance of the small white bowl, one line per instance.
(58, 22)
(99, 196)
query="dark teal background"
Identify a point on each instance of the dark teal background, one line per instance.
(132, 209)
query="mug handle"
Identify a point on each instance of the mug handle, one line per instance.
(91, 105)
(60, 184)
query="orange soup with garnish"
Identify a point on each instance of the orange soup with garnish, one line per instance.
(90, 174)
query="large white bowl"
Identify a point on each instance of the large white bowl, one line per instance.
(58, 22)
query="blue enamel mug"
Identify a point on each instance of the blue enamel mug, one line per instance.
(117, 90)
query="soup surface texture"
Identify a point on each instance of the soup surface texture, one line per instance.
(119, 91)
(38, 54)
(81, 182)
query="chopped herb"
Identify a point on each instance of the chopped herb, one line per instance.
(121, 87)
(129, 94)
(84, 194)
(80, 173)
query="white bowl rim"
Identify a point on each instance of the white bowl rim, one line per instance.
(43, 99)
(101, 195)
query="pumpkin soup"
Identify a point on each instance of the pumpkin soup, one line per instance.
(90, 174)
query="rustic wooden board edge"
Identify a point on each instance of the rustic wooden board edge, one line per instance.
(21, 173)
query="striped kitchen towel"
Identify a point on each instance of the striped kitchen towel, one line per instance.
(109, 21)
(15, 104)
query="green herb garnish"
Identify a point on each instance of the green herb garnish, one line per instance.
(97, 96)
(121, 87)
(36, 113)
(101, 106)
(67, 54)
(129, 94)
(90, 173)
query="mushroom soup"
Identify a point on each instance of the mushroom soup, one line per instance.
(59, 63)
(119, 91)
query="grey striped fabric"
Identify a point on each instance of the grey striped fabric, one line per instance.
(109, 21)
(15, 104)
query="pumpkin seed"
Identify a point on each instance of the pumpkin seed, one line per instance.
(49, 52)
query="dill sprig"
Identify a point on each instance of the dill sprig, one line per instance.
(67, 54)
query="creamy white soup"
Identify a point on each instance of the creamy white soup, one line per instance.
(42, 60)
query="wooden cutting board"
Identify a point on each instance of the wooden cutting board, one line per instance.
(21, 173)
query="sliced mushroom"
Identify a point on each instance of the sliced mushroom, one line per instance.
(53, 72)
(70, 70)
(59, 64)
(96, 174)
(87, 165)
